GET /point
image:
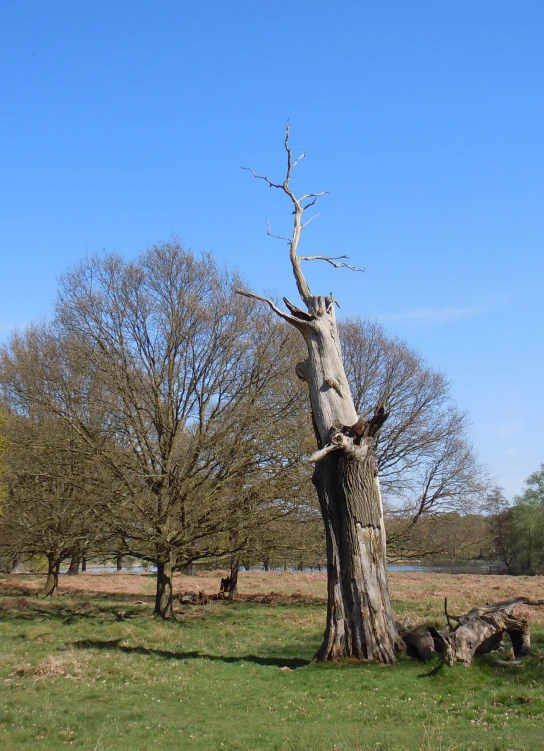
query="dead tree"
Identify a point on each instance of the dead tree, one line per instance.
(480, 631)
(360, 620)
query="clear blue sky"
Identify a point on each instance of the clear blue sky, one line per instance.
(127, 122)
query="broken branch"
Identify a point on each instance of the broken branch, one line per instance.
(330, 259)
(271, 234)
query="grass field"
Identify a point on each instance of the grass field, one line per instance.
(92, 670)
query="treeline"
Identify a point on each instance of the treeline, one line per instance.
(158, 415)
(518, 529)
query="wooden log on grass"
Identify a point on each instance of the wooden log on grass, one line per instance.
(479, 631)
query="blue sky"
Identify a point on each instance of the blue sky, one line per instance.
(126, 122)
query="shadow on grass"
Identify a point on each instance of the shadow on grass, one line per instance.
(69, 609)
(115, 644)
(530, 671)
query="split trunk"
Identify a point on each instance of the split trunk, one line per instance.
(360, 621)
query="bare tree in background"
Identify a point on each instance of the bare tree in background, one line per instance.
(424, 457)
(360, 620)
(162, 374)
(49, 505)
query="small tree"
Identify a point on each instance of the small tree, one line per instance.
(502, 527)
(360, 620)
(49, 506)
(528, 514)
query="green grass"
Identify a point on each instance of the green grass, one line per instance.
(95, 672)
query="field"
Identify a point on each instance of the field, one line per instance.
(92, 670)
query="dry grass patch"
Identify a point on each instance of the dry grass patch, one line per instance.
(421, 588)
(53, 666)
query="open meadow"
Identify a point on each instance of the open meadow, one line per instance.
(92, 670)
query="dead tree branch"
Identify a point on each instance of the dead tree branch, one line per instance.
(332, 259)
(298, 224)
(480, 631)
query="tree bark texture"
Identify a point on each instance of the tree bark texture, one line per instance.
(119, 562)
(360, 621)
(164, 601)
(51, 587)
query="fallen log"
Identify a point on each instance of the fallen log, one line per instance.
(192, 598)
(480, 631)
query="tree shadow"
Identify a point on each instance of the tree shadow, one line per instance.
(530, 671)
(28, 607)
(115, 644)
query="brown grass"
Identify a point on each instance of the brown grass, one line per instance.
(463, 591)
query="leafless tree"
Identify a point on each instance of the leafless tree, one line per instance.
(360, 620)
(165, 376)
(423, 453)
(48, 509)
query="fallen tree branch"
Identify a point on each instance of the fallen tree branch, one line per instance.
(480, 631)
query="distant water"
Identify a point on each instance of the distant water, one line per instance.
(468, 568)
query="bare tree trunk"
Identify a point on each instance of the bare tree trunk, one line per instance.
(18, 566)
(73, 569)
(51, 587)
(83, 563)
(118, 562)
(360, 620)
(164, 600)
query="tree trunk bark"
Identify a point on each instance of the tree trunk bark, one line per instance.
(164, 600)
(83, 563)
(73, 569)
(118, 562)
(360, 621)
(18, 566)
(230, 583)
(51, 587)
